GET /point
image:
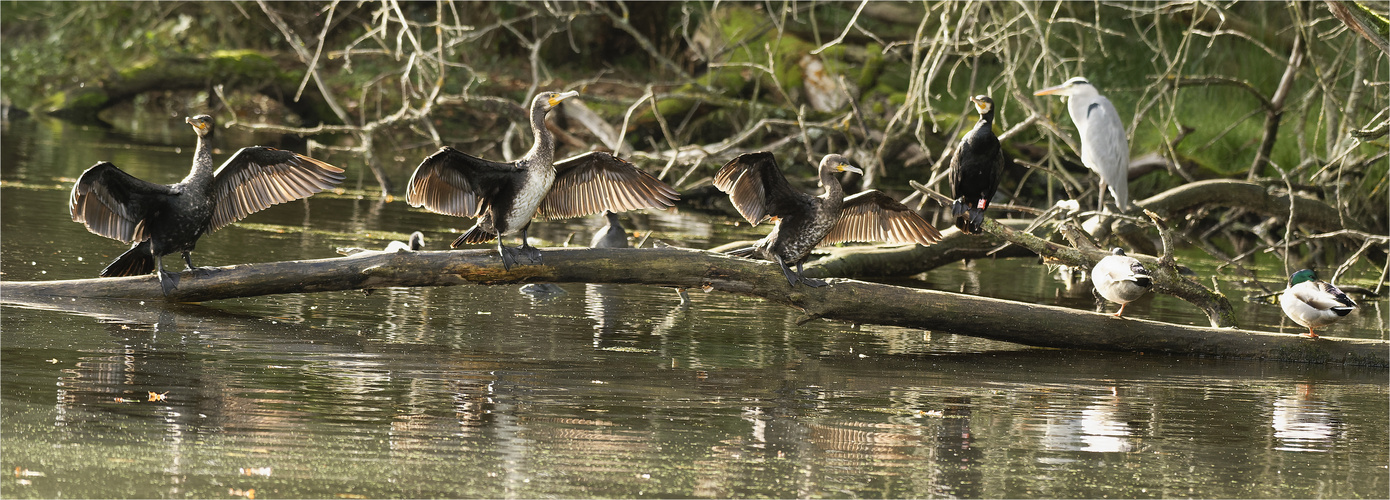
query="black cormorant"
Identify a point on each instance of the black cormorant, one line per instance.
(976, 169)
(506, 196)
(760, 192)
(161, 219)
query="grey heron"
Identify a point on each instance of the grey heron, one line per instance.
(1104, 147)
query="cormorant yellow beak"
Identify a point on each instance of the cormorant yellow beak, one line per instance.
(562, 96)
(200, 125)
(845, 167)
(980, 105)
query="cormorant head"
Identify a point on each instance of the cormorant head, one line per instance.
(983, 104)
(1075, 86)
(202, 124)
(1301, 276)
(837, 163)
(1117, 251)
(546, 101)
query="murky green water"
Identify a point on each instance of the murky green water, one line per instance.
(608, 391)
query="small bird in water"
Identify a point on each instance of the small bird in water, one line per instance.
(760, 192)
(415, 243)
(505, 197)
(1104, 146)
(611, 235)
(976, 168)
(1121, 279)
(160, 220)
(1312, 302)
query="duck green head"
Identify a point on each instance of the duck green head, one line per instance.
(1301, 276)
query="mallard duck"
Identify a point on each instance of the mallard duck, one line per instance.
(1120, 279)
(760, 192)
(160, 220)
(505, 197)
(976, 169)
(1312, 302)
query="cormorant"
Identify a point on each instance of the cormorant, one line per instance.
(976, 169)
(161, 219)
(1104, 147)
(1120, 278)
(1312, 302)
(506, 196)
(760, 192)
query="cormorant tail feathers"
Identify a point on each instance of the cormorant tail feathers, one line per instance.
(474, 236)
(134, 262)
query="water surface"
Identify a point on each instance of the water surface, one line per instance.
(608, 390)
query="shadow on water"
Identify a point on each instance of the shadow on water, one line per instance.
(610, 390)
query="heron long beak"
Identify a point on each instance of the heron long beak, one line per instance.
(1052, 90)
(562, 96)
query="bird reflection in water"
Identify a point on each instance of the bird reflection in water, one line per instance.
(1302, 422)
(1100, 427)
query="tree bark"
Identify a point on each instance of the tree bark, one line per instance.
(844, 300)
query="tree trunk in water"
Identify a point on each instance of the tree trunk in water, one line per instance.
(844, 300)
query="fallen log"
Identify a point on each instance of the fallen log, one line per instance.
(845, 300)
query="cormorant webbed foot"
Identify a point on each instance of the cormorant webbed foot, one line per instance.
(977, 220)
(811, 282)
(532, 254)
(508, 255)
(167, 281)
(792, 278)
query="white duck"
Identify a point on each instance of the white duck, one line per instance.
(1312, 302)
(1120, 279)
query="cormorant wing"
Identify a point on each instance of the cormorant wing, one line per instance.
(594, 182)
(113, 203)
(758, 189)
(874, 216)
(452, 182)
(257, 177)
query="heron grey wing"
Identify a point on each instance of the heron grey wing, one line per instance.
(595, 182)
(757, 187)
(112, 203)
(1104, 146)
(257, 177)
(452, 182)
(874, 216)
